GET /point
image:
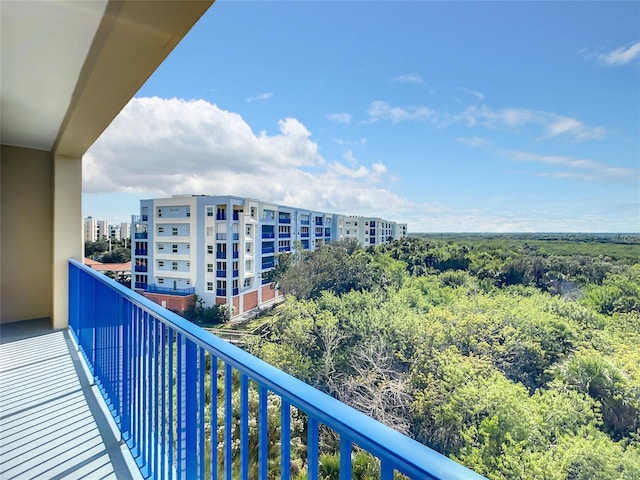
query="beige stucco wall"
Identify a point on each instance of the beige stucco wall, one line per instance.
(26, 234)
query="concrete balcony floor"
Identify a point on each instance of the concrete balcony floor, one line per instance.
(53, 423)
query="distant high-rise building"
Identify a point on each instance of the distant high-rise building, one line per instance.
(221, 247)
(95, 230)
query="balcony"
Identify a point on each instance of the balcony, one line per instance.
(221, 273)
(235, 254)
(221, 255)
(141, 285)
(236, 216)
(284, 235)
(153, 288)
(141, 235)
(235, 292)
(235, 273)
(266, 265)
(284, 220)
(141, 251)
(284, 249)
(140, 268)
(221, 292)
(268, 249)
(268, 235)
(304, 222)
(157, 377)
(304, 235)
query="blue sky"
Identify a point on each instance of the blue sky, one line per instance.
(449, 116)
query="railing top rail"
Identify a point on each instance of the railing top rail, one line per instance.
(409, 456)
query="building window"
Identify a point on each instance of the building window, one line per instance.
(221, 265)
(160, 281)
(247, 282)
(174, 231)
(188, 264)
(160, 229)
(174, 265)
(188, 282)
(253, 212)
(209, 248)
(210, 213)
(209, 231)
(161, 246)
(174, 248)
(159, 212)
(209, 286)
(160, 263)
(209, 267)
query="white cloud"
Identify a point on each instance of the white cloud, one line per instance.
(474, 93)
(474, 142)
(379, 110)
(620, 56)
(407, 78)
(260, 97)
(165, 147)
(588, 169)
(339, 117)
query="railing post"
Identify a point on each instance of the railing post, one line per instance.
(191, 409)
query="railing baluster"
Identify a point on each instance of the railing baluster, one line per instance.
(386, 470)
(171, 445)
(213, 398)
(191, 409)
(163, 401)
(228, 421)
(156, 395)
(312, 448)
(202, 368)
(181, 417)
(285, 440)
(263, 433)
(345, 458)
(244, 427)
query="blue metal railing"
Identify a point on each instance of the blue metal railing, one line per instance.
(140, 235)
(153, 288)
(169, 384)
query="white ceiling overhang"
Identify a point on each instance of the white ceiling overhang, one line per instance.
(44, 45)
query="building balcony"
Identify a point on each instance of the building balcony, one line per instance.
(318, 222)
(221, 255)
(284, 220)
(235, 273)
(140, 268)
(220, 216)
(284, 249)
(140, 285)
(140, 235)
(235, 236)
(304, 235)
(235, 254)
(221, 273)
(153, 288)
(284, 235)
(127, 391)
(221, 292)
(236, 216)
(141, 251)
(266, 265)
(268, 235)
(268, 249)
(304, 222)
(235, 292)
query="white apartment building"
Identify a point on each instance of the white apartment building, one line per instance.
(94, 230)
(120, 231)
(372, 231)
(220, 247)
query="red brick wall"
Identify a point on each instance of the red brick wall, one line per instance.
(172, 302)
(221, 300)
(236, 305)
(250, 301)
(268, 293)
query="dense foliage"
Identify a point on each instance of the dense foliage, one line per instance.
(516, 359)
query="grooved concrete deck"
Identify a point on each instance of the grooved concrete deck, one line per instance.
(52, 425)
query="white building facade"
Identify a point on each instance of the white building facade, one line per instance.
(95, 230)
(220, 247)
